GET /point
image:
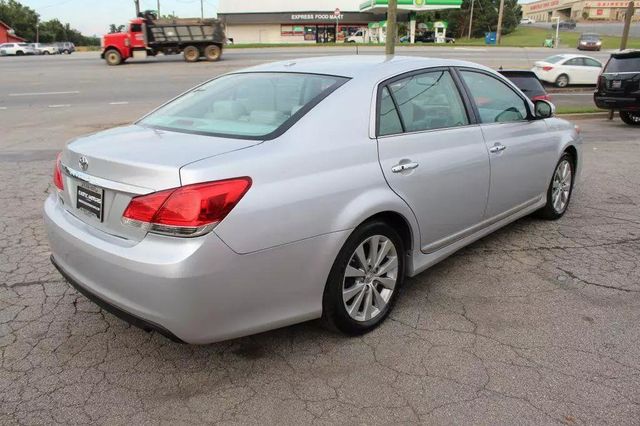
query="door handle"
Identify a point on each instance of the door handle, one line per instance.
(498, 147)
(404, 166)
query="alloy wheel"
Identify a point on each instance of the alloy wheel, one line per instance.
(561, 186)
(370, 278)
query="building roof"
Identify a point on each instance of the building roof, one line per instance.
(8, 28)
(274, 6)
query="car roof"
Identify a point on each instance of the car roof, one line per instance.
(629, 53)
(361, 66)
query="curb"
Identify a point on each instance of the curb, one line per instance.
(584, 115)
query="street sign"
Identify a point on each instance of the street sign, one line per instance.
(336, 12)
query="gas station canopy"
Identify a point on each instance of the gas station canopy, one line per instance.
(380, 6)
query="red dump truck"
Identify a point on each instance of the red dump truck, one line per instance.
(148, 36)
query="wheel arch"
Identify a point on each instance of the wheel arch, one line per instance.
(108, 48)
(398, 222)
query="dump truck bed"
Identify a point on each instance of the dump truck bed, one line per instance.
(165, 31)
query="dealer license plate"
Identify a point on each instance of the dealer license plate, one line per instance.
(616, 84)
(89, 199)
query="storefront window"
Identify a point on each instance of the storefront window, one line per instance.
(310, 33)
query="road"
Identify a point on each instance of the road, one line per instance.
(83, 82)
(536, 324)
(602, 28)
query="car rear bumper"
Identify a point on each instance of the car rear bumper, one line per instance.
(616, 102)
(195, 290)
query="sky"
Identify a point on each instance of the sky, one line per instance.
(94, 16)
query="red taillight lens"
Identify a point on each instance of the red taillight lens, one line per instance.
(544, 97)
(547, 68)
(57, 173)
(188, 210)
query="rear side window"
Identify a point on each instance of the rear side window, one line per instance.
(389, 119)
(428, 101)
(575, 62)
(245, 105)
(592, 63)
(496, 102)
(630, 64)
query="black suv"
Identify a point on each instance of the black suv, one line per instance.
(619, 86)
(528, 83)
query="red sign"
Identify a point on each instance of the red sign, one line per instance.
(336, 12)
(599, 12)
(544, 5)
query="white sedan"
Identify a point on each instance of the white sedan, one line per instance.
(566, 69)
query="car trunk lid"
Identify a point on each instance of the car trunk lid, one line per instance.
(102, 172)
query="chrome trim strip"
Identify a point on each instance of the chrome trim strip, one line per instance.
(435, 246)
(104, 183)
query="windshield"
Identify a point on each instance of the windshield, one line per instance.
(589, 37)
(628, 64)
(554, 59)
(246, 105)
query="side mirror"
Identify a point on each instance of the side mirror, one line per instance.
(543, 109)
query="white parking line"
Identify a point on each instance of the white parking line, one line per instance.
(3, 108)
(60, 106)
(119, 103)
(74, 92)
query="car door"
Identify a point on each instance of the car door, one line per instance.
(577, 72)
(593, 69)
(432, 155)
(521, 151)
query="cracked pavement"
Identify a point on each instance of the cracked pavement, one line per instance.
(535, 324)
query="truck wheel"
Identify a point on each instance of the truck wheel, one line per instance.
(212, 52)
(191, 54)
(113, 57)
(632, 118)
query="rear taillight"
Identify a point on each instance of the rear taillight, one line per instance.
(187, 211)
(547, 68)
(601, 84)
(544, 97)
(57, 173)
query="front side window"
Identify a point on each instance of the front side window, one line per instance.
(244, 105)
(576, 62)
(592, 63)
(429, 101)
(496, 102)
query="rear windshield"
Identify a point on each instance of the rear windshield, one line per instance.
(554, 59)
(245, 105)
(527, 83)
(630, 64)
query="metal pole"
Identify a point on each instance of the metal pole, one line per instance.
(137, 2)
(390, 45)
(557, 40)
(471, 18)
(627, 24)
(159, 9)
(499, 29)
(202, 9)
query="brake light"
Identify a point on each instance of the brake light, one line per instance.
(547, 68)
(57, 173)
(186, 211)
(544, 97)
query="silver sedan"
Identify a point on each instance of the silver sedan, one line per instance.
(301, 189)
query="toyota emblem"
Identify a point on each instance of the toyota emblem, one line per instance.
(84, 163)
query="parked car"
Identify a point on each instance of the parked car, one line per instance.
(528, 83)
(527, 21)
(44, 49)
(589, 41)
(236, 209)
(565, 69)
(358, 37)
(565, 25)
(66, 47)
(17, 49)
(426, 37)
(619, 86)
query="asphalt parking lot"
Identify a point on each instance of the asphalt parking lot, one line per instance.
(535, 324)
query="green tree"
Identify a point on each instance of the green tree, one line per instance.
(21, 18)
(113, 28)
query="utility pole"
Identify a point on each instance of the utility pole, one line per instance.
(137, 2)
(627, 24)
(159, 16)
(390, 45)
(471, 18)
(499, 29)
(202, 9)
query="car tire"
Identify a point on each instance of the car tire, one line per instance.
(358, 298)
(191, 54)
(19, 53)
(562, 80)
(560, 189)
(212, 52)
(113, 57)
(632, 118)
